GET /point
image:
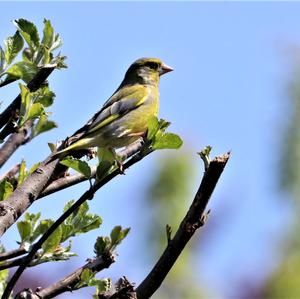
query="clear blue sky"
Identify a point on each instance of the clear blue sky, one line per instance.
(227, 90)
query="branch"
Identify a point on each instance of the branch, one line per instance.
(86, 196)
(194, 219)
(24, 195)
(68, 181)
(14, 141)
(10, 173)
(10, 112)
(13, 253)
(65, 182)
(68, 283)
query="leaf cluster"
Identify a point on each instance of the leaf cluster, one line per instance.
(31, 228)
(37, 53)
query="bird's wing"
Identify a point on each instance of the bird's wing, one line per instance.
(123, 101)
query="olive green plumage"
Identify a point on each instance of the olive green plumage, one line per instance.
(124, 117)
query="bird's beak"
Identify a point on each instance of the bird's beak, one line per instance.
(165, 69)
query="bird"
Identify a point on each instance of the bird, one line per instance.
(124, 117)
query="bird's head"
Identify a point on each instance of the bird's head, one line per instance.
(146, 71)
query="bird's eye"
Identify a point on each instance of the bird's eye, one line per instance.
(152, 65)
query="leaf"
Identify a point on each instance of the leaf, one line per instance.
(102, 286)
(6, 189)
(117, 235)
(25, 103)
(29, 32)
(22, 173)
(48, 31)
(163, 124)
(2, 60)
(56, 44)
(53, 241)
(35, 111)
(25, 229)
(52, 147)
(28, 109)
(24, 70)
(13, 45)
(44, 96)
(102, 244)
(168, 140)
(41, 228)
(85, 278)
(105, 155)
(79, 221)
(43, 125)
(153, 126)
(78, 165)
(34, 167)
(103, 169)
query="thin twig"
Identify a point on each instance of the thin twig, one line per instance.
(194, 219)
(13, 253)
(68, 283)
(86, 196)
(68, 181)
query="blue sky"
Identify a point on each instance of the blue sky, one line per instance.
(227, 90)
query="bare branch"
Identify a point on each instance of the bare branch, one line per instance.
(68, 283)
(13, 253)
(68, 181)
(10, 112)
(194, 219)
(124, 289)
(10, 173)
(14, 141)
(86, 196)
(65, 182)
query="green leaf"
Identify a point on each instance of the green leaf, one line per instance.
(22, 173)
(41, 228)
(29, 110)
(43, 125)
(56, 44)
(52, 147)
(117, 235)
(102, 244)
(48, 31)
(24, 70)
(25, 103)
(34, 167)
(78, 165)
(102, 286)
(103, 169)
(153, 127)
(79, 221)
(44, 96)
(168, 140)
(13, 45)
(32, 218)
(25, 229)
(6, 189)
(85, 278)
(35, 111)
(105, 155)
(53, 241)
(2, 60)
(29, 32)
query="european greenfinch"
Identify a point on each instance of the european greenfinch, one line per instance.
(124, 117)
